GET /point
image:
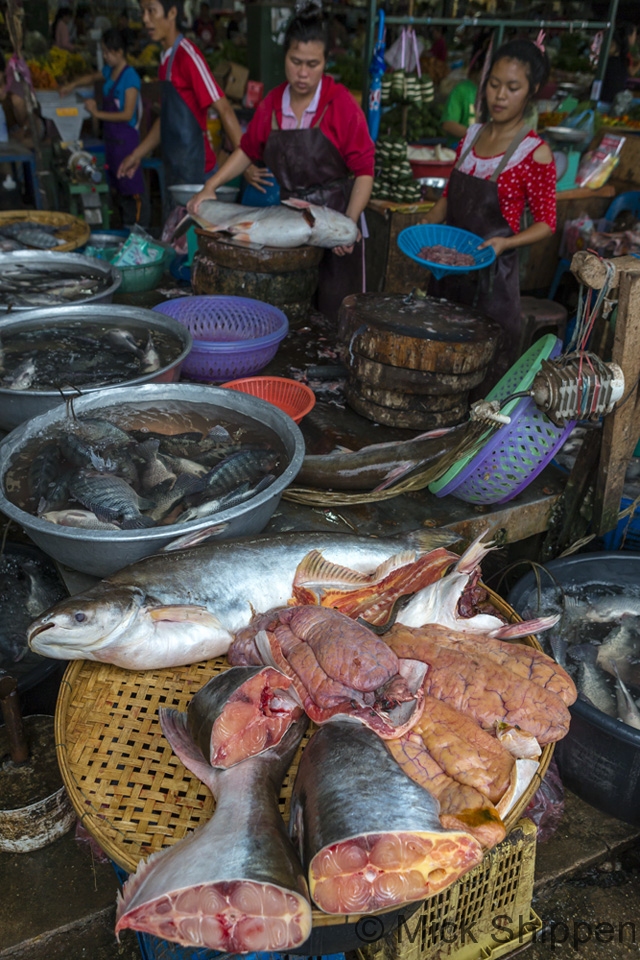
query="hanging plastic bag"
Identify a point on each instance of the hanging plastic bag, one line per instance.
(405, 53)
(547, 806)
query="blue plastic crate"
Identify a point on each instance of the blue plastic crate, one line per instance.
(626, 535)
(153, 948)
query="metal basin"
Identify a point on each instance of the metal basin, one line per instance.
(64, 266)
(599, 759)
(16, 406)
(102, 552)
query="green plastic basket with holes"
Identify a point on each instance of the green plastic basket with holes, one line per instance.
(141, 277)
(516, 380)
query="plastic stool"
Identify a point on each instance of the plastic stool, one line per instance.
(14, 153)
(157, 165)
(538, 314)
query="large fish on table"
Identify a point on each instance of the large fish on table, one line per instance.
(234, 884)
(370, 837)
(293, 224)
(178, 608)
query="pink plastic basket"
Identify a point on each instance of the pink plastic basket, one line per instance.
(515, 454)
(232, 336)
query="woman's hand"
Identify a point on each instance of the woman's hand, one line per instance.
(207, 193)
(67, 90)
(259, 177)
(499, 244)
(91, 106)
(341, 251)
(129, 165)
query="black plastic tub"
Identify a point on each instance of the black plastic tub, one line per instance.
(599, 759)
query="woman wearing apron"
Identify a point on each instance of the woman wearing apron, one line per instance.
(188, 91)
(314, 139)
(121, 114)
(501, 166)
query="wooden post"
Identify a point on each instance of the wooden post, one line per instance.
(621, 428)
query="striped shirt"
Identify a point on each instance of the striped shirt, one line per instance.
(192, 79)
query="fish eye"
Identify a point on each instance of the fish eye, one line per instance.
(81, 617)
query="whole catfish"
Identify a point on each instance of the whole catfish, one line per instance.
(183, 607)
(234, 884)
(286, 225)
(370, 837)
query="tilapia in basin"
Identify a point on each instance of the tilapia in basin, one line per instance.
(68, 349)
(163, 408)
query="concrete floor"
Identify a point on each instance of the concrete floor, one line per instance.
(59, 903)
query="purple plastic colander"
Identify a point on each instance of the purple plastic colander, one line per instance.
(232, 336)
(513, 457)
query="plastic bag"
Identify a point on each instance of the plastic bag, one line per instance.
(139, 248)
(597, 165)
(86, 842)
(547, 806)
(405, 53)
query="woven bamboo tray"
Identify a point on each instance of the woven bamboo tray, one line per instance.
(127, 786)
(75, 236)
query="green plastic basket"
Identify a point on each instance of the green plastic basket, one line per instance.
(143, 276)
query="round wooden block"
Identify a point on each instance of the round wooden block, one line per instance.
(405, 419)
(420, 334)
(401, 379)
(395, 400)
(294, 288)
(264, 260)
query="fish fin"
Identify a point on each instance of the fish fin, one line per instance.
(401, 470)
(184, 612)
(134, 523)
(314, 573)
(296, 204)
(475, 553)
(522, 774)
(193, 539)
(394, 563)
(174, 726)
(184, 225)
(426, 540)
(512, 630)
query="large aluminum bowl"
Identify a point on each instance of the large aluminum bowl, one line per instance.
(102, 552)
(16, 406)
(63, 265)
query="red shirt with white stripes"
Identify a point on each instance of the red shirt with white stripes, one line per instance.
(192, 78)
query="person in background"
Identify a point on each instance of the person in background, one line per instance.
(188, 91)
(204, 27)
(460, 110)
(617, 71)
(18, 82)
(60, 35)
(312, 135)
(439, 44)
(502, 165)
(121, 115)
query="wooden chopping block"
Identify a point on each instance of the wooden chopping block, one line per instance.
(394, 400)
(422, 382)
(428, 334)
(263, 260)
(405, 419)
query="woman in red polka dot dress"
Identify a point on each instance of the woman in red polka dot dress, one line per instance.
(502, 165)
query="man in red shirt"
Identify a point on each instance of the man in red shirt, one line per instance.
(188, 90)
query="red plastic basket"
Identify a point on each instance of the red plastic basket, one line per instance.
(294, 398)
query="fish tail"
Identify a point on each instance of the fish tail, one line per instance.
(138, 523)
(512, 630)
(175, 728)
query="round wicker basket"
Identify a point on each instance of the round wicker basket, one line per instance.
(75, 232)
(127, 786)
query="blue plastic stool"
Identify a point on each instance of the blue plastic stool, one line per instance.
(14, 153)
(156, 164)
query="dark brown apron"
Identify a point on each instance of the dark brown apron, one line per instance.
(473, 205)
(309, 167)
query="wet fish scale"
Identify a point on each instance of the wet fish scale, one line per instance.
(236, 469)
(111, 498)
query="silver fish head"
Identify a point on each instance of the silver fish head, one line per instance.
(79, 627)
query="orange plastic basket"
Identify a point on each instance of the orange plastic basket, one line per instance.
(295, 399)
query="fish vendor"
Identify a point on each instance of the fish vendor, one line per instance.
(188, 91)
(313, 137)
(502, 165)
(121, 114)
